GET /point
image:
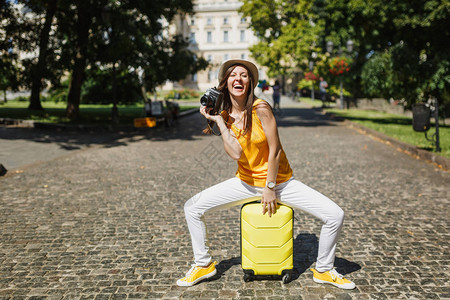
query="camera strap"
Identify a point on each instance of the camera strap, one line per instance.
(212, 130)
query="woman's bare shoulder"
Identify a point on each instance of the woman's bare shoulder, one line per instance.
(263, 109)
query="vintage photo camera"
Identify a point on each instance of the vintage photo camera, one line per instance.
(211, 98)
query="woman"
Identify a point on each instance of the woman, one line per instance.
(276, 95)
(250, 136)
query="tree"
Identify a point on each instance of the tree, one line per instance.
(414, 34)
(14, 38)
(124, 36)
(416, 46)
(38, 71)
(75, 35)
(9, 69)
(83, 21)
(25, 33)
(286, 31)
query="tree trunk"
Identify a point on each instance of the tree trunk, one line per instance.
(73, 99)
(39, 69)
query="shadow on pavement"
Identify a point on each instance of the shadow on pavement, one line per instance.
(306, 117)
(305, 254)
(74, 139)
(344, 266)
(225, 265)
(67, 140)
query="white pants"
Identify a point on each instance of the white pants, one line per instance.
(293, 193)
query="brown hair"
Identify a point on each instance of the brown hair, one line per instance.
(226, 104)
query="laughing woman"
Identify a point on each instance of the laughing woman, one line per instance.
(250, 136)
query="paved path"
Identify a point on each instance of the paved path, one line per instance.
(24, 147)
(107, 222)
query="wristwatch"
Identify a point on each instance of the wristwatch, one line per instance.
(270, 184)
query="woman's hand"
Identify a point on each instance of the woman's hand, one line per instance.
(205, 112)
(269, 201)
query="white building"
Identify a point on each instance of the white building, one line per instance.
(217, 32)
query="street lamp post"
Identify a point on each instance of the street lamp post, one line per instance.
(349, 50)
(311, 68)
(435, 137)
(115, 110)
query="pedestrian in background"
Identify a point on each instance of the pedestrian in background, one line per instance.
(276, 95)
(323, 90)
(250, 136)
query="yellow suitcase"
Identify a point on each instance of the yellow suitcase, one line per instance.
(267, 242)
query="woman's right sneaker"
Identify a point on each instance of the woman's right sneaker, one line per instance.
(334, 278)
(197, 274)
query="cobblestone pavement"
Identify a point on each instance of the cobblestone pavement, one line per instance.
(107, 222)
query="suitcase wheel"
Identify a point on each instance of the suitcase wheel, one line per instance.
(248, 277)
(287, 278)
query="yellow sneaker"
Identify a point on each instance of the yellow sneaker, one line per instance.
(197, 274)
(334, 278)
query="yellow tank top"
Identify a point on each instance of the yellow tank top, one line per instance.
(253, 164)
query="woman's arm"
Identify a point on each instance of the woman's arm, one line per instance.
(230, 143)
(269, 125)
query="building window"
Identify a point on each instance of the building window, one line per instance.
(243, 56)
(242, 35)
(210, 75)
(226, 57)
(192, 22)
(192, 38)
(243, 20)
(209, 59)
(209, 37)
(225, 21)
(209, 21)
(225, 36)
(194, 77)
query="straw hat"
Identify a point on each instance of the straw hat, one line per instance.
(250, 66)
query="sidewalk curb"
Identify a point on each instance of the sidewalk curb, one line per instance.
(188, 112)
(431, 157)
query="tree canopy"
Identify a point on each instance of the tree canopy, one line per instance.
(115, 37)
(408, 38)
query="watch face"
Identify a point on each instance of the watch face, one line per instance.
(271, 185)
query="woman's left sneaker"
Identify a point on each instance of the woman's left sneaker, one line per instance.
(197, 274)
(334, 278)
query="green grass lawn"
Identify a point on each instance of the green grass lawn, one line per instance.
(90, 114)
(398, 127)
(310, 102)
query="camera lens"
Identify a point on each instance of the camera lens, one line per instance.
(204, 100)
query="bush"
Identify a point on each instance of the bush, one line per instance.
(304, 84)
(182, 94)
(58, 93)
(376, 76)
(335, 90)
(22, 99)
